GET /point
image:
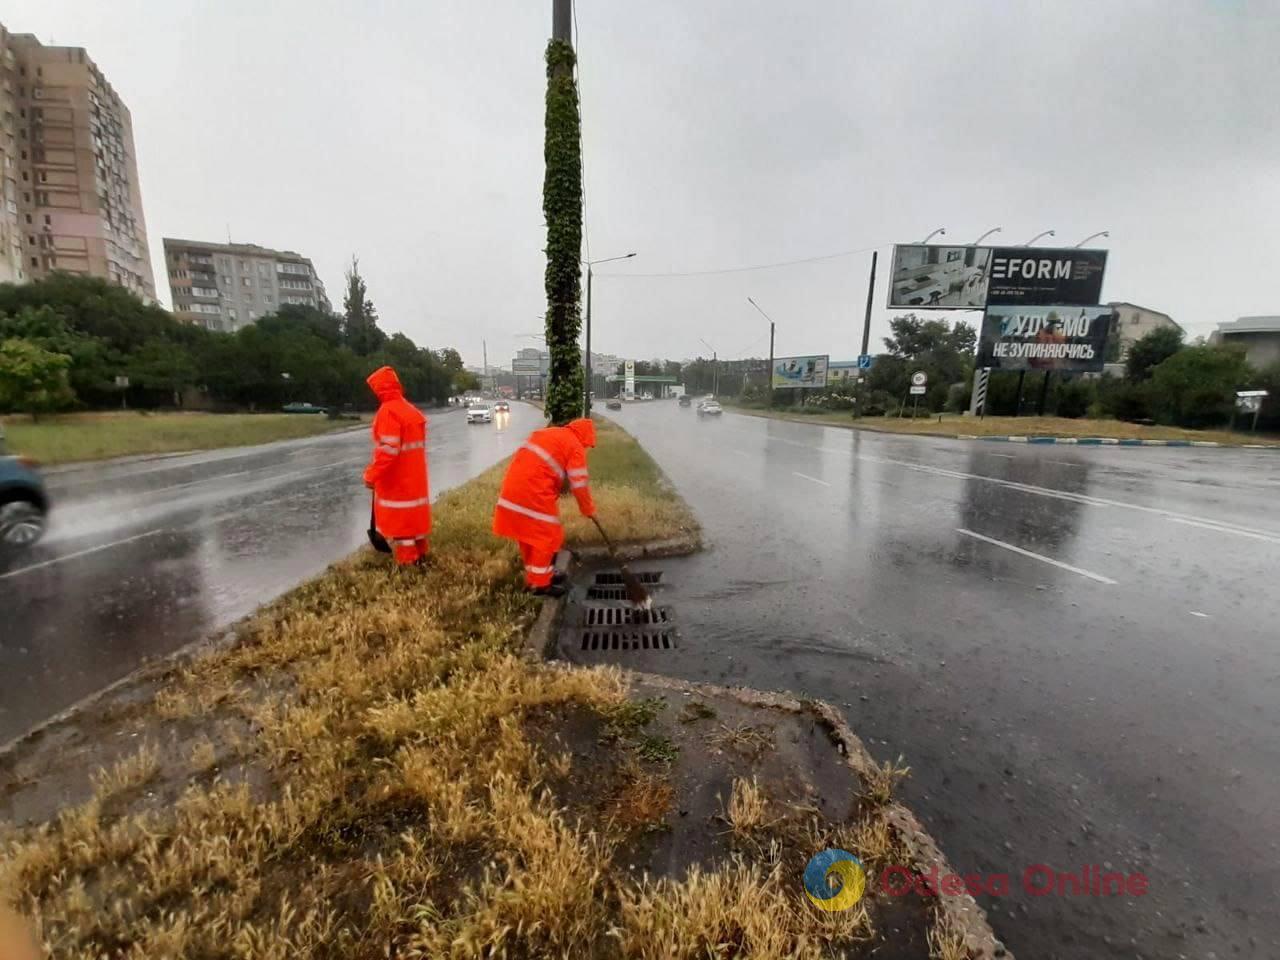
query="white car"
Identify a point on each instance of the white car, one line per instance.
(710, 408)
(479, 413)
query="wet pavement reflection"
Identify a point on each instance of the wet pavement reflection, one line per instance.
(145, 557)
(1074, 649)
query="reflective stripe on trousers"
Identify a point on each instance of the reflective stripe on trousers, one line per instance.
(525, 511)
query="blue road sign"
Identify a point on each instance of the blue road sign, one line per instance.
(864, 361)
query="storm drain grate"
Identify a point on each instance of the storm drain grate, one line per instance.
(628, 640)
(609, 578)
(601, 616)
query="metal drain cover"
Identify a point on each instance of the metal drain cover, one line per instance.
(600, 620)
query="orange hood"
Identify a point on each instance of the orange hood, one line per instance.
(385, 384)
(584, 430)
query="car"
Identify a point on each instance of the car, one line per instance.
(613, 403)
(479, 412)
(24, 505)
(502, 407)
(686, 400)
(710, 408)
(303, 408)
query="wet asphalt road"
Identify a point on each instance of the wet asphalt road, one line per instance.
(144, 557)
(1110, 696)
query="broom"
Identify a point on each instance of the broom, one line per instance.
(636, 593)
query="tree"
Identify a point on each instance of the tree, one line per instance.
(360, 320)
(562, 209)
(1148, 352)
(943, 352)
(33, 379)
(1197, 385)
(162, 366)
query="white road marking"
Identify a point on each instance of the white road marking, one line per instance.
(1036, 556)
(1067, 463)
(1002, 456)
(1197, 613)
(1225, 528)
(78, 553)
(805, 476)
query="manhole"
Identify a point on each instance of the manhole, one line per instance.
(628, 640)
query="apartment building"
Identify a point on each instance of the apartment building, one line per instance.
(226, 286)
(1133, 322)
(70, 175)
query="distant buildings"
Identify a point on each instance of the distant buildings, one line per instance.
(1134, 322)
(1260, 337)
(226, 286)
(69, 197)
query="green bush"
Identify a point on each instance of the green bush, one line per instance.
(1196, 386)
(1072, 398)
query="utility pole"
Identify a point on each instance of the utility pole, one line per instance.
(562, 20)
(484, 344)
(871, 292)
(770, 372)
(586, 360)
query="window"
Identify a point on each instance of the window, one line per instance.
(47, 219)
(35, 262)
(246, 281)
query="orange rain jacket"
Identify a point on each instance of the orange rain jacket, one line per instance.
(551, 458)
(398, 471)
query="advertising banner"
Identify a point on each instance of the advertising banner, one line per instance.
(1062, 337)
(940, 278)
(1035, 275)
(969, 278)
(800, 372)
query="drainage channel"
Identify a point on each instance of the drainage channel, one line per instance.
(600, 624)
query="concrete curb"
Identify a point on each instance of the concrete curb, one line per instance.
(924, 854)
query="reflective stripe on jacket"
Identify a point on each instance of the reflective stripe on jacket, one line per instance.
(398, 470)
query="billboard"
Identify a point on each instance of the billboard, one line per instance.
(800, 372)
(1030, 275)
(969, 278)
(938, 277)
(1062, 337)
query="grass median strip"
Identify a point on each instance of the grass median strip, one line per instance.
(72, 438)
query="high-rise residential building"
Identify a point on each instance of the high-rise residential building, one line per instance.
(226, 286)
(69, 169)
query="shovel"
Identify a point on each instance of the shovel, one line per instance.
(636, 593)
(378, 541)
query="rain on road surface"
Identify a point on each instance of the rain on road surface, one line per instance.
(147, 556)
(1075, 649)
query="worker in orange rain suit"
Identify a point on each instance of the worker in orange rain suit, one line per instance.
(397, 475)
(550, 459)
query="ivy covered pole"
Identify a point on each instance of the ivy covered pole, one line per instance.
(562, 208)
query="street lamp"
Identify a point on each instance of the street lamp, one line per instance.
(1046, 233)
(940, 230)
(1100, 233)
(769, 372)
(987, 234)
(586, 385)
(715, 369)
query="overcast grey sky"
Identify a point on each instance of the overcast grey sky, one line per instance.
(719, 134)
